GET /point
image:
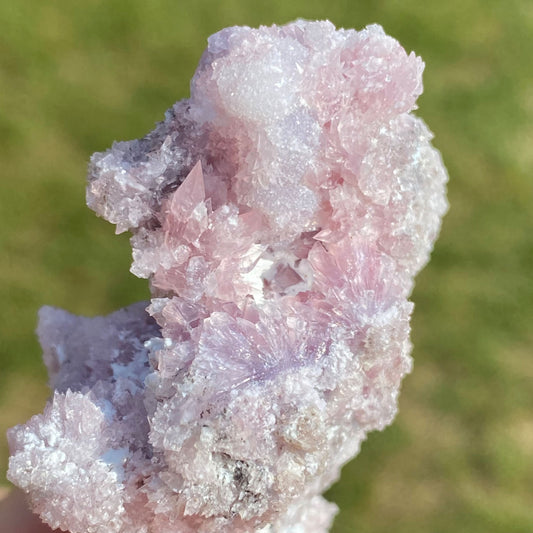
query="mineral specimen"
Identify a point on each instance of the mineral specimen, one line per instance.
(280, 214)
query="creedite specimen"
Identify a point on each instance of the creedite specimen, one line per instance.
(280, 214)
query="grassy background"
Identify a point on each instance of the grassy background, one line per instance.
(74, 76)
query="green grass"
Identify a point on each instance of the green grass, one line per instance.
(74, 76)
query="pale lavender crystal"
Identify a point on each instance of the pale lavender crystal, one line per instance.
(280, 214)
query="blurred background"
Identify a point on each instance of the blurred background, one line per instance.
(74, 76)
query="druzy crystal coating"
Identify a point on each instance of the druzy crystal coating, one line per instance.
(280, 215)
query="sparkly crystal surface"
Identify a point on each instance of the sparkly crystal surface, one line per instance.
(280, 215)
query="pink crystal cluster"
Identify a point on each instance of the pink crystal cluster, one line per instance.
(280, 214)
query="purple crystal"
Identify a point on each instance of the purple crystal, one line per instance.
(280, 215)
